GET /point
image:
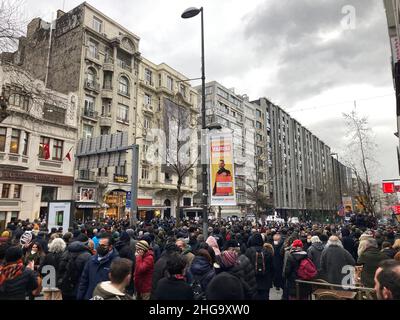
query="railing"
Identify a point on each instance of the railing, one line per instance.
(124, 120)
(91, 54)
(124, 65)
(92, 85)
(360, 293)
(108, 59)
(87, 175)
(87, 112)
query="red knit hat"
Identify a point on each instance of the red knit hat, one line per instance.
(297, 243)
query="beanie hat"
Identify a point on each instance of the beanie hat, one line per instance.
(229, 258)
(82, 237)
(142, 245)
(115, 235)
(171, 247)
(225, 286)
(5, 234)
(297, 244)
(13, 254)
(124, 236)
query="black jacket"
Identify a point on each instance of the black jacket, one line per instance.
(71, 266)
(19, 288)
(249, 273)
(277, 261)
(202, 270)
(314, 253)
(349, 244)
(333, 259)
(160, 269)
(264, 282)
(292, 265)
(173, 289)
(52, 259)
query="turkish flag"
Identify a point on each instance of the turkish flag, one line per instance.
(46, 149)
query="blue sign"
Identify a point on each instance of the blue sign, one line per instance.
(128, 200)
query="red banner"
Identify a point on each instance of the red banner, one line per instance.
(388, 187)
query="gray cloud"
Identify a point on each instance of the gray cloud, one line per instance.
(307, 64)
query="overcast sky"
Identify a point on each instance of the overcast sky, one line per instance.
(305, 55)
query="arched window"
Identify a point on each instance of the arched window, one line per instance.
(124, 85)
(91, 76)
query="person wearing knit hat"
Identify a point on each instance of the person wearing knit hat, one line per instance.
(297, 244)
(142, 245)
(225, 286)
(5, 234)
(229, 259)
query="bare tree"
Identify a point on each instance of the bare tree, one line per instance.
(12, 24)
(181, 156)
(361, 148)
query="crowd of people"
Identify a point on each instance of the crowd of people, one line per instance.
(162, 260)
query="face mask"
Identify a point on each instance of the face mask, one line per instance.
(102, 251)
(276, 243)
(33, 251)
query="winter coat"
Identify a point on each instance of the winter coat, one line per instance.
(105, 291)
(212, 242)
(277, 261)
(370, 260)
(125, 251)
(95, 271)
(202, 270)
(144, 269)
(173, 289)
(333, 259)
(390, 252)
(52, 259)
(350, 245)
(238, 272)
(160, 270)
(71, 266)
(249, 273)
(20, 287)
(264, 282)
(314, 253)
(290, 272)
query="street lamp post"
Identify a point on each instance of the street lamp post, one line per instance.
(189, 13)
(340, 180)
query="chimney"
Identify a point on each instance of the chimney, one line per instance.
(33, 26)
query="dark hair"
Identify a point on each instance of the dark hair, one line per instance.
(389, 277)
(107, 236)
(13, 254)
(386, 244)
(119, 269)
(175, 264)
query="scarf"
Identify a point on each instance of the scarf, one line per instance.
(179, 277)
(11, 271)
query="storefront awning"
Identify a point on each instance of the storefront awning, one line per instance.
(152, 207)
(87, 205)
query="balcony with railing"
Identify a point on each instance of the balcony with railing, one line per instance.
(107, 91)
(92, 86)
(124, 65)
(148, 107)
(105, 120)
(108, 64)
(90, 113)
(93, 55)
(13, 161)
(87, 175)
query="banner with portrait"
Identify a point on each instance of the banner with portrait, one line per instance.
(222, 175)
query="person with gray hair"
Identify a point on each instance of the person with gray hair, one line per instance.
(53, 259)
(315, 250)
(333, 258)
(369, 260)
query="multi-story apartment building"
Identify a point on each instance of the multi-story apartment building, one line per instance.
(161, 87)
(34, 141)
(91, 55)
(392, 8)
(303, 177)
(234, 112)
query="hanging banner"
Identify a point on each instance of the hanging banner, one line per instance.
(222, 176)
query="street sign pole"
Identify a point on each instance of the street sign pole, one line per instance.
(134, 183)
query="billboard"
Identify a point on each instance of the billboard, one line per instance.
(60, 215)
(347, 204)
(87, 194)
(222, 175)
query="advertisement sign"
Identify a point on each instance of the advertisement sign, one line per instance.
(222, 176)
(347, 204)
(388, 187)
(60, 215)
(87, 194)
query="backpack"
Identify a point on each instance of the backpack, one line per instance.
(306, 270)
(260, 263)
(198, 292)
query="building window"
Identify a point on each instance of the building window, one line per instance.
(123, 113)
(14, 216)
(121, 170)
(104, 131)
(89, 106)
(57, 149)
(93, 49)
(26, 143)
(145, 173)
(209, 90)
(124, 85)
(44, 147)
(5, 192)
(258, 125)
(48, 194)
(87, 131)
(17, 191)
(147, 99)
(106, 108)
(3, 136)
(259, 137)
(91, 77)
(97, 24)
(182, 90)
(258, 113)
(3, 216)
(53, 113)
(146, 123)
(148, 76)
(170, 83)
(226, 110)
(14, 145)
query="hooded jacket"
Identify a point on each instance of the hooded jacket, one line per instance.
(333, 259)
(202, 270)
(144, 269)
(71, 266)
(106, 291)
(95, 271)
(314, 253)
